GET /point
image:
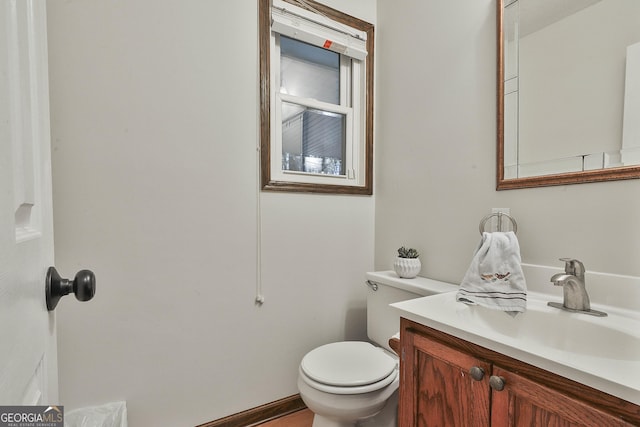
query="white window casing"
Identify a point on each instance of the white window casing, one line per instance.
(350, 43)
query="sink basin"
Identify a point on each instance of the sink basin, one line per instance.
(568, 332)
(602, 352)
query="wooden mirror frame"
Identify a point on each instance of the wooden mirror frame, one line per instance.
(609, 174)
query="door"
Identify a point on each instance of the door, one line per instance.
(440, 385)
(28, 361)
(523, 402)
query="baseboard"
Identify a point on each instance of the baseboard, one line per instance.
(261, 414)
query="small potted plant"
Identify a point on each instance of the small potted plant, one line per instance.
(407, 264)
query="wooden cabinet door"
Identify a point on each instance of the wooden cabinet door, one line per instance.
(436, 388)
(523, 402)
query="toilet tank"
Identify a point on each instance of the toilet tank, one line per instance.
(383, 321)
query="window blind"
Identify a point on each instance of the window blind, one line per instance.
(290, 21)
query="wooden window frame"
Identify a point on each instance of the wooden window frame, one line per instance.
(269, 184)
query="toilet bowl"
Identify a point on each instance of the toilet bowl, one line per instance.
(355, 383)
(350, 383)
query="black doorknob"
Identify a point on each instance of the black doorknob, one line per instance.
(83, 286)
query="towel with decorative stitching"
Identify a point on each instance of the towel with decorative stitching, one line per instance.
(495, 278)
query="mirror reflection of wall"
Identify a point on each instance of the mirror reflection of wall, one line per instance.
(630, 152)
(566, 94)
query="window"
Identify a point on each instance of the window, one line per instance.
(316, 99)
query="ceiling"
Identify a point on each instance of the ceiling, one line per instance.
(537, 14)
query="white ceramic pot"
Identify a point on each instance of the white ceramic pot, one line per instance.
(407, 268)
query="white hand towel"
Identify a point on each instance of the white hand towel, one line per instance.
(495, 278)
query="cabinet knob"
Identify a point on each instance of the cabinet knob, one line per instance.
(476, 373)
(497, 383)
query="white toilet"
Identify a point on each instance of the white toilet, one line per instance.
(354, 383)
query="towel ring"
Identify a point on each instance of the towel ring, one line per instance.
(499, 215)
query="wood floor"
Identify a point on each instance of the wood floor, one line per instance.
(303, 418)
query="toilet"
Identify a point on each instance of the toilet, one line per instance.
(355, 383)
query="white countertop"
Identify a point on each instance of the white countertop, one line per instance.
(600, 352)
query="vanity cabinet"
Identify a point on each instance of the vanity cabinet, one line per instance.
(446, 381)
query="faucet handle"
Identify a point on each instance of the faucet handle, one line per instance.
(573, 266)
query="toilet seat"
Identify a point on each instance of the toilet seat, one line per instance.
(350, 367)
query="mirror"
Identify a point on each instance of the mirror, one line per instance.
(568, 92)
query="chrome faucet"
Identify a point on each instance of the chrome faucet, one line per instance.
(574, 290)
(572, 281)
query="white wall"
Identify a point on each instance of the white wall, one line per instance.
(572, 98)
(154, 135)
(435, 154)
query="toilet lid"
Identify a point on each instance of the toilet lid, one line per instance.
(348, 364)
